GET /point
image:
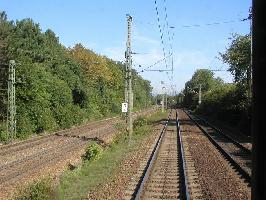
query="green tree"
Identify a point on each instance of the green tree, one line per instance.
(5, 28)
(203, 77)
(238, 57)
(58, 87)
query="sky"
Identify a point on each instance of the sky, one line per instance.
(201, 30)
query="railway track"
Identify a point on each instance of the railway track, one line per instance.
(241, 140)
(237, 154)
(19, 168)
(78, 131)
(164, 175)
(19, 146)
(21, 159)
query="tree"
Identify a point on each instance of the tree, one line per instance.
(238, 58)
(203, 77)
(4, 29)
(58, 87)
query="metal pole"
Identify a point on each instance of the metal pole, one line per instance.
(165, 101)
(11, 110)
(250, 67)
(129, 78)
(163, 92)
(199, 94)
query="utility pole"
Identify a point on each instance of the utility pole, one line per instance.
(11, 110)
(163, 104)
(128, 90)
(163, 99)
(249, 74)
(126, 79)
(199, 94)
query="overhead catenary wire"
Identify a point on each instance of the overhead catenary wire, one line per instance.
(167, 26)
(157, 62)
(160, 29)
(169, 38)
(201, 25)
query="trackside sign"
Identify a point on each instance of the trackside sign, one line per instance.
(124, 107)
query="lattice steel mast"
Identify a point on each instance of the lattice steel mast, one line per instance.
(11, 107)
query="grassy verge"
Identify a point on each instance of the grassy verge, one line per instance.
(97, 168)
(37, 190)
(77, 184)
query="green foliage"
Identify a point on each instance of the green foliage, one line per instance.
(77, 184)
(204, 77)
(3, 133)
(227, 103)
(92, 152)
(58, 87)
(139, 122)
(38, 190)
(238, 57)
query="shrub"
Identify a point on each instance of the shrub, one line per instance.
(38, 190)
(25, 127)
(3, 133)
(92, 152)
(139, 122)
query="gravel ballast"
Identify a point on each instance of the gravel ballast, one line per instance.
(217, 178)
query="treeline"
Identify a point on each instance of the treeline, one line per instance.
(228, 102)
(58, 87)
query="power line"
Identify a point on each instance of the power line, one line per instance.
(157, 62)
(169, 38)
(213, 23)
(201, 25)
(158, 70)
(160, 29)
(167, 26)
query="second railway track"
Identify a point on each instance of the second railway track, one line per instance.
(21, 159)
(238, 155)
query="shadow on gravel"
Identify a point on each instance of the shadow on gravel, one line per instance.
(84, 138)
(172, 122)
(186, 122)
(157, 122)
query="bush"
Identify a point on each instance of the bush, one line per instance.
(228, 103)
(24, 126)
(139, 122)
(3, 133)
(38, 190)
(93, 152)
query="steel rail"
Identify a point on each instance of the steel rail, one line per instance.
(227, 155)
(182, 158)
(140, 186)
(40, 139)
(36, 166)
(67, 146)
(224, 135)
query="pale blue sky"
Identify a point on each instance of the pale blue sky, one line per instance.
(101, 26)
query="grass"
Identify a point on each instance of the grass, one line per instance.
(77, 184)
(37, 190)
